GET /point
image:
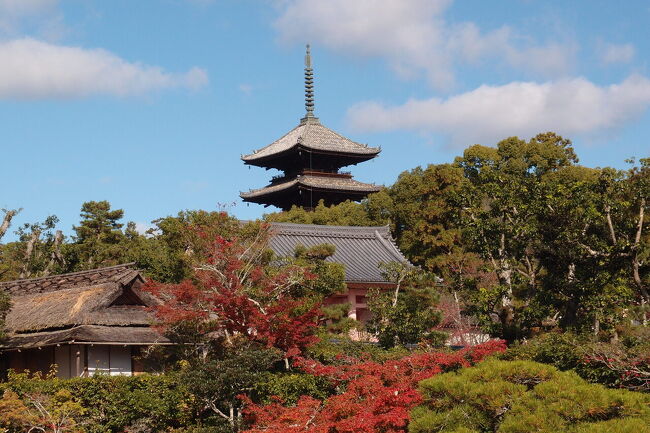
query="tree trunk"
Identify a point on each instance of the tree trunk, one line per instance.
(504, 274)
(29, 252)
(635, 258)
(6, 221)
(610, 225)
(56, 256)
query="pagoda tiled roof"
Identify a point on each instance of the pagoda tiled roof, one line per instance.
(315, 181)
(313, 135)
(360, 249)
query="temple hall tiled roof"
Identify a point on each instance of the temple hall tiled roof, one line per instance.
(311, 134)
(310, 181)
(359, 249)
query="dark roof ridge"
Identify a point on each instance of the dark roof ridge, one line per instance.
(307, 228)
(105, 285)
(88, 271)
(390, 245)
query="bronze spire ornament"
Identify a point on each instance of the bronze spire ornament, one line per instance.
(309, 85)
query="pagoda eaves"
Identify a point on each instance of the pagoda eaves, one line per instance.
(310, 138)
(308, 189)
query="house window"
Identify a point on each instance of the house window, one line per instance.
(360, 299)
(111, 360)
(363, 315)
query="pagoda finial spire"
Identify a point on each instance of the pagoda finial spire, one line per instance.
(309, 85)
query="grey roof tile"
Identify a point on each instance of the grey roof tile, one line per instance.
(313, 135)
(359, 249)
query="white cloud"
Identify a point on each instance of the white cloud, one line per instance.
(143, 227)
(246, 89)
(25, 7)
(490, 113)
(414, 37)
(43, 15)
(614, 53)
(34, 69)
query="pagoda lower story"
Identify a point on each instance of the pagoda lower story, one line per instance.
(307, 189)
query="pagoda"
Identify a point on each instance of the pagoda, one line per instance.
(311, 156)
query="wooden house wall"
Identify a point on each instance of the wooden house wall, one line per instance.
(73, 360)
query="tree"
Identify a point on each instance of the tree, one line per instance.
(97, 237)
(176, 244)
(407, 315)
(347, 213)
(37, 412)
(523, 396)
(240, 291)
(500, 216)
(6, 220)
(217, 383)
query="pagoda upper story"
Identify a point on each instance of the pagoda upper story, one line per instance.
(310, 155)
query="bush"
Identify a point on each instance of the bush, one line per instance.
(331, 351)
(113, 403)
(522, 397)
(624, 364)
(370, 397)
(290, 387)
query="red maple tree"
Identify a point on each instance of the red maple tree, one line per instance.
(377, 396)
(236, 291)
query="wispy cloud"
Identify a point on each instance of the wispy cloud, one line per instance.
(41, 17)
(246, 89)
(490, 113)
(414, 37)
(616, 53)
(35, 69)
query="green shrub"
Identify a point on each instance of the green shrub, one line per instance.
(559, 350)
(330, 351)
(114, 403)
(290, 387)
(522, 397)
(624, 364)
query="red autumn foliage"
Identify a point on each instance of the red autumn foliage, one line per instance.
(377, 397)
(236, 293)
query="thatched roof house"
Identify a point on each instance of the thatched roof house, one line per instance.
(98, 320)
(83, 322)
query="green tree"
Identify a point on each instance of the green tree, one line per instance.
(347, 213)
(500, 218)
(217, 383)
(98, 237)
(408, 314)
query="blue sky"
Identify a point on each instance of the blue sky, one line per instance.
(150, 104)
